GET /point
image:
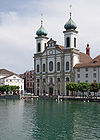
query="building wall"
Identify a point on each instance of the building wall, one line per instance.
(87, 74)
(13, 81)
(29, 81)
(55, 55)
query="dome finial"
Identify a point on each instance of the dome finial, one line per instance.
(70, 10)
(41, 19)
(70, 23)
(41, 31)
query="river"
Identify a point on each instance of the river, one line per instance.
(49, 120)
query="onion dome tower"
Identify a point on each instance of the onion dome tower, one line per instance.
(41, 39)
(70, 34)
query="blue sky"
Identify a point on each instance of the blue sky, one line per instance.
(19, 20)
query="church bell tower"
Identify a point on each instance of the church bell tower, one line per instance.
(41, 39)
(70, 34)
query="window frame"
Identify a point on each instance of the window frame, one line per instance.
(38, 68)
(58, 66)
(67, 66)
(68, 42)
(39, 47)
(51, 66)
(44, 67)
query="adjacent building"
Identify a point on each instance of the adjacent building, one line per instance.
(88, 72)
(29, 81)
(10, 78)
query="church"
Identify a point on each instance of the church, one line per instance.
(54, 64)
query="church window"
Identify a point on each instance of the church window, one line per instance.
(68, 42)
(45, 45)
(38, 80)
(58, 66)
(44, 80)
(50, 66)
(58, 79)
(67, 65)
(43, 67)
(38, 92)
(74, 42)
(67, 79)
(51, 80)
(39, 47)
(37, 68)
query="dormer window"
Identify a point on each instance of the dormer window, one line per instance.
(94, 61)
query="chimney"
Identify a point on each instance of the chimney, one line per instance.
(88, 50)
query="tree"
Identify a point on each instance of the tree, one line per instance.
(72, 87)
(2, 89)
(83, 87)
(7, 89)
(94, 87)
(14, 89)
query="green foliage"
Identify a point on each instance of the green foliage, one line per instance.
(7, 88)
(94, 87)
(99, 86)
(84, 87)
(72, 86)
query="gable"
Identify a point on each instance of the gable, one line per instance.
(51, 51)
(14, 77)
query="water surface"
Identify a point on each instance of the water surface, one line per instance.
(49, 120)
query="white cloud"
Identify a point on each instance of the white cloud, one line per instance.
(17, 29)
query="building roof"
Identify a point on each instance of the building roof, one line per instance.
(10, 76)
(70, 25)
(6, 72)
(93, 63)
(84, 58)
(60, 47)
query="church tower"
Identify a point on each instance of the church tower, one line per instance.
(70, 34)
(41, 39)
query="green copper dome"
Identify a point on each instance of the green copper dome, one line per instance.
(70, 25)
(41, 31)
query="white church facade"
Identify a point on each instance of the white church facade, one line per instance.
(54, 64)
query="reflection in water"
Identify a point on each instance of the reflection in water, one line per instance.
(49, 120)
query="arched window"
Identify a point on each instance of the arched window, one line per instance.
(67, 79)
(67, 42)
(74, 42)
(67, 65)
(58, 66)
(37, 68)
(45, 45)
(50, 66)
(43, 67)
(39, 47)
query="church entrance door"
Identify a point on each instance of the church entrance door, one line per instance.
(50, 91)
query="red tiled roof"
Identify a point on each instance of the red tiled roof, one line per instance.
(93, 63)
(84, 58)
(4, 71)
(60, 47)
